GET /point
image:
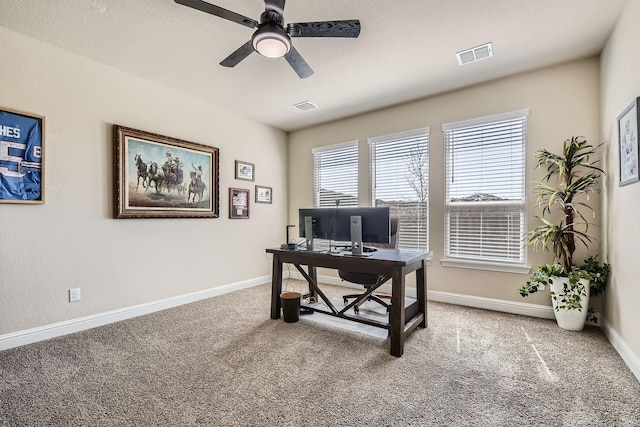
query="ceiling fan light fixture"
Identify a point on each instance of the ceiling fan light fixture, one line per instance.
(271, 41)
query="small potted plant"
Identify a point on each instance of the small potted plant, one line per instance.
(563, 194)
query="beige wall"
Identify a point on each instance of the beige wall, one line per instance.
(620, 86)
(72, 241)
(562, 101)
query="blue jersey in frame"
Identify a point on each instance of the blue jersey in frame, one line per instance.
(20, 156)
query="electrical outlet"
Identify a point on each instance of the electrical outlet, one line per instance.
(74, 294)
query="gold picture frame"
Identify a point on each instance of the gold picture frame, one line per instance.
(157, 176)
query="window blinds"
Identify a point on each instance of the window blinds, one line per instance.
(485, 205)
(400, 180)
(335, 175)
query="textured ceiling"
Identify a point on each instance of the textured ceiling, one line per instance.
(406, 49)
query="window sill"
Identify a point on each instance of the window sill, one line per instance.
(485, 265)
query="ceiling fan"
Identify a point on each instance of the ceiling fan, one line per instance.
(272, 39)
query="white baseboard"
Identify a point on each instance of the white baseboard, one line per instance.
(525, 309)
(46, 332)
(630, 358)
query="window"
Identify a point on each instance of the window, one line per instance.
(400, 180)
(335, 175)
(485, 206)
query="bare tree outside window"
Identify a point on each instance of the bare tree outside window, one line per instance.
(400, 180)
(418, 172)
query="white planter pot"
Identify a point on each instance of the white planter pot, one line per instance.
(573, 319)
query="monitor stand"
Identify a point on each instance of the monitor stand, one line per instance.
(308, 232)
(356, 238)
(356, 234)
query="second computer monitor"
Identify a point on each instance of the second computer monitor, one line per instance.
(358, 225)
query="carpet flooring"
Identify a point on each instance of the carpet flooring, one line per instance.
(223, 362)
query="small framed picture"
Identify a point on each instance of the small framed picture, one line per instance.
(21, 157)
(245, 170)
(628, 142)
(263, 194)
(238, 203)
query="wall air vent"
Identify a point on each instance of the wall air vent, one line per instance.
(475, 54)
(305, 106)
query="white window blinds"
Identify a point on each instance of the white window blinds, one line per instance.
(335, 175)
(400, 180)
(485, 205)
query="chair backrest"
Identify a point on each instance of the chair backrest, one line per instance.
(393, 241)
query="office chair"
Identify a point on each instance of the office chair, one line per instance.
(369, 280)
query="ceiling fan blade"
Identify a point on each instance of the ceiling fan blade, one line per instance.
(349, 28)
(277, 5)
(218, 11)
(298, 63)
(238, 55)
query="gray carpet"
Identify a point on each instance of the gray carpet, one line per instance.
(223, 362)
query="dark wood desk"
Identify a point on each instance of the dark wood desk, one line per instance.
(396, 263)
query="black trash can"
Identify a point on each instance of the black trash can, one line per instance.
(290, 306)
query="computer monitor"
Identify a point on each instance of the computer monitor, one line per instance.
(373, 226)
(316, 223)
(358, 225)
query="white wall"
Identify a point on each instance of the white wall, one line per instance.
(620, 86)
(562, 101)
(73, 241)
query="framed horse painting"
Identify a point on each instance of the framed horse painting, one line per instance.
(158, 176)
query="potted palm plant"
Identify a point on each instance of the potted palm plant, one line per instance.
(563, 195)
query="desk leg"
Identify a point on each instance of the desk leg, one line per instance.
(276, 287)
(421, 288)
(397, 314)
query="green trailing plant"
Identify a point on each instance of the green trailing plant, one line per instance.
(540, 277)
(569, 298)
(563, 195)
(599, 274)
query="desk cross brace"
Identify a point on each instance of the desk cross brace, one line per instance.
(316, 288)
(342, 313)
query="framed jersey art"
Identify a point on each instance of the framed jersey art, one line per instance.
(21, 157)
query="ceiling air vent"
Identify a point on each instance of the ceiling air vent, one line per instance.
(475, 54)
(305, 106)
